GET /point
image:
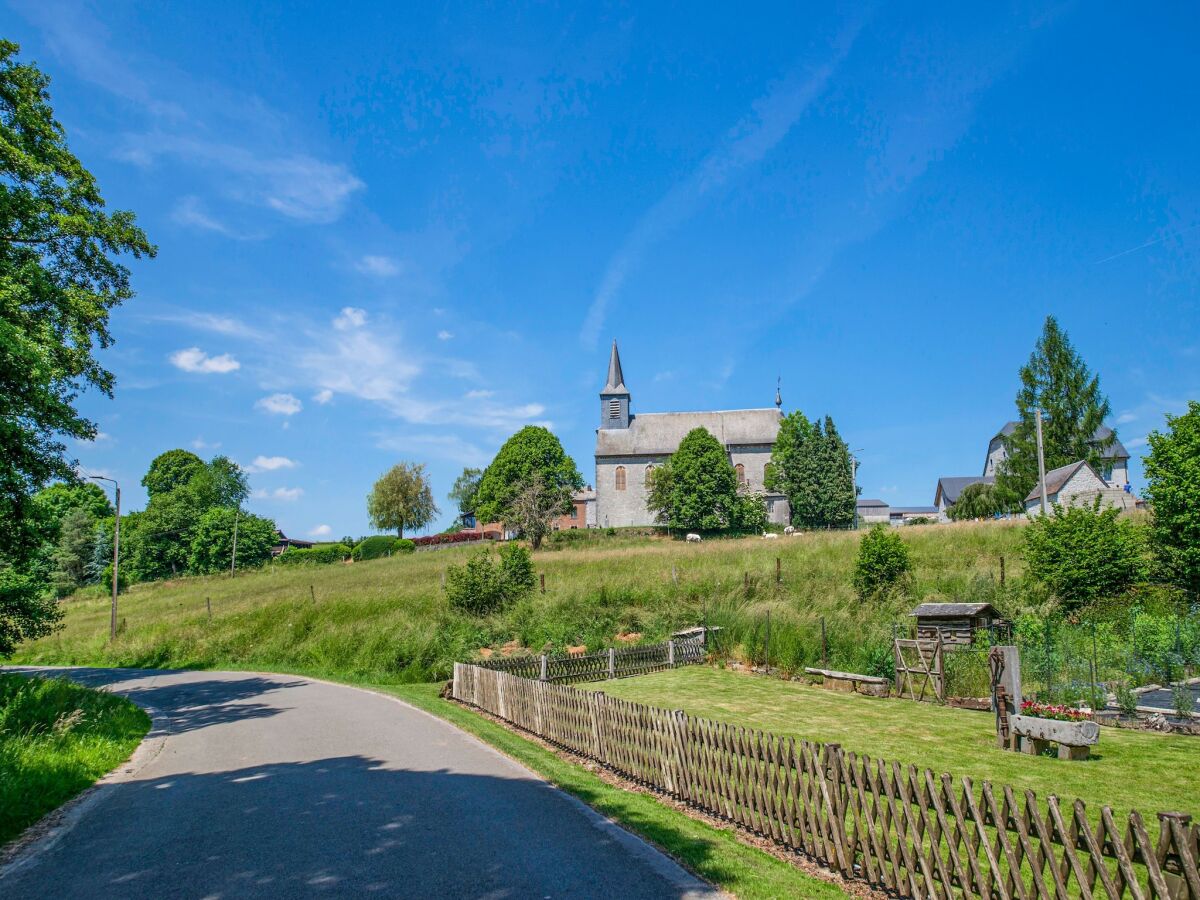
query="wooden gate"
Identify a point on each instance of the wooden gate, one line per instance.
(919, 668)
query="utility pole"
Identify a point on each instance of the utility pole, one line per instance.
(233, 558)
(116, 575)
(1041, 459)
(854, 483)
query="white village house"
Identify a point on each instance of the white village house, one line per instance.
(1078, 484)
(629, 446)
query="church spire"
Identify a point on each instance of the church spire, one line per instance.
(616, 378)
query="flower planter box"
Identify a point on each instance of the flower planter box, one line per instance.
(1074, 739)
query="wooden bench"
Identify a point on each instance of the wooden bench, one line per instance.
(1074, 739)
(850, 682)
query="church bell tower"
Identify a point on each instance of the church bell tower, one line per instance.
(614, 398)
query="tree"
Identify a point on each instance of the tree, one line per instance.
(531, 451)
(53, 504)
(76, 547)
(466, 487)
(171, 470)
(696, 488)
(1058, 381)
(1083, 553)
(220, 482)
(481, 586)
(810, 465)
(882, 563)
(1173, 491)
(211, 547)
(977, 501)
(402, 499)
(59, 280)
(535, 507)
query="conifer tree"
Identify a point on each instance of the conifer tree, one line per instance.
(1058, 381)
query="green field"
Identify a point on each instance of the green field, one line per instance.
(388, 621)
(1129, 769)
(57, 738)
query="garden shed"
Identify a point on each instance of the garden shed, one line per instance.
(956, 623)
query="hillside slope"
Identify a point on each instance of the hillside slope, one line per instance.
(388, 620)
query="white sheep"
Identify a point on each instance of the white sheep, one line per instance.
(789, 530)
(693, 538)
(770, 535)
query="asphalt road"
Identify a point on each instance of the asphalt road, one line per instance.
(276, 786)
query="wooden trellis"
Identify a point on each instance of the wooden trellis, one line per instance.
(920, 668)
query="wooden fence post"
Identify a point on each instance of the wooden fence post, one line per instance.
(671, 653)
(1001, 570)
(542, 578)
(545, 668)
(824, 646)
(778, 571)
(612, 663)
(595, 703)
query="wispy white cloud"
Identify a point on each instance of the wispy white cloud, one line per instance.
(350, 317)
(195, 360)
(444, 335)
(190, 211)
(320, 531)
(438, 446)
(743, 146)
(323, 397)
(284, 494)
(201, 444)
(270, 464)
(1126, 417)
(280, 404)
(379, 266)
(479, 394)
(226, 325)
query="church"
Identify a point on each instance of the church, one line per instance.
(629, 446)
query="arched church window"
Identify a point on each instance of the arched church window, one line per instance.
(619, 478)
(649, 471)
(741, 473)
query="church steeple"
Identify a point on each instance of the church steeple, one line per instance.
(614, 398)
(779, 393)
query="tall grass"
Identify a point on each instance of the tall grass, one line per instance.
(57, 738)
(387, 620)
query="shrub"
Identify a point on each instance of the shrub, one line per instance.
(329, 553)
(404, 545)
(482, 586)
(375, 547)
(1127, 700)
(213, 540)
(293, 556)
(883, 562)
(1083, 554)
(1181, 700)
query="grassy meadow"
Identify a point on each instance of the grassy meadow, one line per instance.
(1129, 769)
(387, 620)
(57, 738)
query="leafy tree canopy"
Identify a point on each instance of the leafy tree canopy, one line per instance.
(697, 489)
(466, 486)
(1058, 381)
(170, 470)
(211, 547)
(1173, 490)
(532, 450)
(53, 503)
(402, 499)
(59, 280)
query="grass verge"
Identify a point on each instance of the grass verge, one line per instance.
(714, 854)
(57, 738)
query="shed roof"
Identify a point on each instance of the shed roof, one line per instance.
(945, 610)
(659, 434)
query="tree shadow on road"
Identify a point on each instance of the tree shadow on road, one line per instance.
(343, 826)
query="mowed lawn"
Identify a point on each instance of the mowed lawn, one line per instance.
(1129, 770)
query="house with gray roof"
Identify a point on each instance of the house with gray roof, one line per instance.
(629, 446)
(1078, 484)
(1115, 468)
(949, 488)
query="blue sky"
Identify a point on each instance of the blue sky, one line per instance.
(395, 233)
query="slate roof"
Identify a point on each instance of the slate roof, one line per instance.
(616, 378)
(950, 486)
(1056, 479)
(1115, 451)
(870, 504)
(937, 610)
(659, 434)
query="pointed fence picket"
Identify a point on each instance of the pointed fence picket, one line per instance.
(906, 830)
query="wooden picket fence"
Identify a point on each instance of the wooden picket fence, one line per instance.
(908, 831)
(611, 663)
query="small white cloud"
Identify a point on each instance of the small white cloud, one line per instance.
(1137, 442)
(444, 335)
(193, 359)
(191, 212)
(479, 395)
(282, 493)
(323, 397)
(102, 437)
(1126, 417)
(270, 464)
(379, 266)
(201, 444)
(351, 317)
(320, 531)
(280, 404)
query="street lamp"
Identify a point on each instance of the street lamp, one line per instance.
(854, 483)
(116, 575)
